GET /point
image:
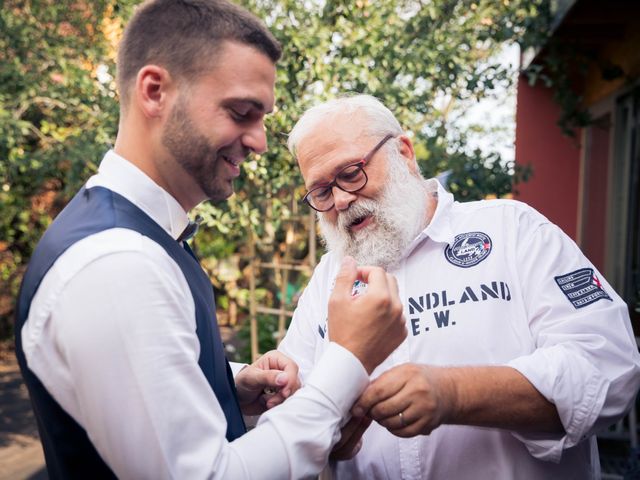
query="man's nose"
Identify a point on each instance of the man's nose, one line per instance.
(255, 138)
(342, 199)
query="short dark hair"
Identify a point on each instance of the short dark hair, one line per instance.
(184, 36)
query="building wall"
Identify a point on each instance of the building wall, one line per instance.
(554, 157)
(595, 191)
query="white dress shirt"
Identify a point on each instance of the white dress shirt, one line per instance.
(111, 334)
(505, 297)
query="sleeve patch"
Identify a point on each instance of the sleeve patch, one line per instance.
(581, 287)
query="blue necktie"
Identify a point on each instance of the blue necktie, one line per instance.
(190, 230)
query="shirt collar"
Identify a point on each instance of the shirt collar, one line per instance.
(439, 228)
(122, 177)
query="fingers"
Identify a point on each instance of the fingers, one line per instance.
(256, 379)
(274, 382)
(377, 281)
(404, 424)
(381, 389)
(346, 277)
(351, 439)
(365, 271)
(273, 400)
(382, 285)
(375, 277)
(354, 426)
(251, 384)
(292, 382)
(370, 274)
(409, 423)
(273, 359)
(407, 400)
(277, 361)
(389, 410)
(276, 388)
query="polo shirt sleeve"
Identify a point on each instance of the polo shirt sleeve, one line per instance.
(586, 359)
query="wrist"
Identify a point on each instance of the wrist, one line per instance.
(449, 388)
(360, 353)
(367, 362)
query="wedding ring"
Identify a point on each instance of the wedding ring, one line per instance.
(270, 391)
(402, 420)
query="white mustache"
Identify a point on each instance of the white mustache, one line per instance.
(359, 209)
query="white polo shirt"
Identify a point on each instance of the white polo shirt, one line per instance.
(494, 283)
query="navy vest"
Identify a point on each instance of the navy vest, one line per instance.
(68, 451)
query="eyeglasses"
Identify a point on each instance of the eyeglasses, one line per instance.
(350, 179)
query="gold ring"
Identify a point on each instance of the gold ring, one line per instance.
(402, 420)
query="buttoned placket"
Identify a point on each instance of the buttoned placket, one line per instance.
(408, 448)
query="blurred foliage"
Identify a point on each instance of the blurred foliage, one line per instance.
(267, 337)
(423, 59)
(562, 68)
(56, 118)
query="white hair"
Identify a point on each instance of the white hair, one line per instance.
(380, 120)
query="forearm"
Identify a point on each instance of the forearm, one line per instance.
(498, 397)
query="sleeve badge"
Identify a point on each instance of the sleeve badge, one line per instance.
(581, 287)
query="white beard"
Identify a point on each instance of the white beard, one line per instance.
(399, 216)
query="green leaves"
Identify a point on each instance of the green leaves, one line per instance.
(56, 118)
(58, 108)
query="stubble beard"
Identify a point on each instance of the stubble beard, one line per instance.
(193, 152)
(399, 216)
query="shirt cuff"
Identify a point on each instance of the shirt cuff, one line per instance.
(340, 376)
(236, 367)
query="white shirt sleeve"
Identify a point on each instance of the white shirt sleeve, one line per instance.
(586, 360)
(116, 346)
(236, 367)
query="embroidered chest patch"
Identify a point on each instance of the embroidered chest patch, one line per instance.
(581, 287)
(468, 249)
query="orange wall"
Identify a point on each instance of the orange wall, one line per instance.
(555, 158)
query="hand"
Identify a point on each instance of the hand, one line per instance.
(350, 441)
(272, 370)
(370, 325)
(424, 395)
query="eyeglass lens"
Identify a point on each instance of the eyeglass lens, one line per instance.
(350, 179)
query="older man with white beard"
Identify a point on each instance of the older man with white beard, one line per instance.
(518, 349)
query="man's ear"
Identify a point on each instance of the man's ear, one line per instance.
(153, 90)
(406, 150)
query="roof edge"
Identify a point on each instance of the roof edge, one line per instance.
(559, 9)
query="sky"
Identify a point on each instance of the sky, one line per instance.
(496, 113)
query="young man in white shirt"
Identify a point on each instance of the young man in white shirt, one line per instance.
(518, 349)
(116, 332)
